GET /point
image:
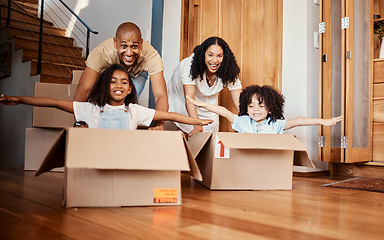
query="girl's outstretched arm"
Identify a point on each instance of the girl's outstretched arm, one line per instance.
(222, 111)
(177, 117)
(37, 101)
(305, 121)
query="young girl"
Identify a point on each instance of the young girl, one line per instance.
(111, 104)
(261, 111)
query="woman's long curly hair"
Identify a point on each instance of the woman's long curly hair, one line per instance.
(273, 100)
(228, 70)
(99, 94)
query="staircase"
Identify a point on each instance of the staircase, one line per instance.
(60, 56)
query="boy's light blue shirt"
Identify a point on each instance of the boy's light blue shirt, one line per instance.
(245, 124)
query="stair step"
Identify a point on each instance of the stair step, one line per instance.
(52, 69)
(54, 79)
(32, 44)
(29, 54)
(14, 5)
(59, 40)
(21, 15)
(36, 27)
(32, 8)
(28, 1)
(13, 22)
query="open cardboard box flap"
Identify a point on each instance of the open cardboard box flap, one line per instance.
(197, 142)
(195, 171)
(119, 149)
(254, 141)
(55, 156)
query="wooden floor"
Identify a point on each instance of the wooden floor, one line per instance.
(31, 208)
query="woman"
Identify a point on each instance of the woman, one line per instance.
(210, 69)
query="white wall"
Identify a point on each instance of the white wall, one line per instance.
(14, 119)
(171, 36)
(300, 69)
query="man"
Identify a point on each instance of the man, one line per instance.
(138, 56)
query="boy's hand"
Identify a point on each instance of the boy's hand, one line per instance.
(193, 101)
(332, 121)
(205, 122)
(9, 100)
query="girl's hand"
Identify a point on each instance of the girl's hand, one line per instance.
(9, 100)
(197, 128)
(331, 121)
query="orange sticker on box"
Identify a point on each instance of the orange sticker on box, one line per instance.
(165, 195)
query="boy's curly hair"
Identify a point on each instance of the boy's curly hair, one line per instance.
(228, 70)
(99, 94)
(273, 100)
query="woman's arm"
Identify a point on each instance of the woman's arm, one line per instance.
(190, 90)
(176, 117)
(38, 101)
(222, 111)
(305, 121)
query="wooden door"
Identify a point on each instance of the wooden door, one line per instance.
(331, 84)
(346, 80)
(359, 81)
(252, 28)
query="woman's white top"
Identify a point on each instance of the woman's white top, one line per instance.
(204, 93)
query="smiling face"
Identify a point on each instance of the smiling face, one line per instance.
(257, 110)
(119, 88)
(213, 58)
(128, 46)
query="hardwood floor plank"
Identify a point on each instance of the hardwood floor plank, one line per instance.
(31, 208)
(32, 219)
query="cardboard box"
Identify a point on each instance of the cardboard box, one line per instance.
(76, 75)
(38, 141)
(52, 117)
(113, 168)
(246, 161)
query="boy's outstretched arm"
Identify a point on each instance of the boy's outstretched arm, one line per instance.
(222, 111)
(37, 101)
(177, 117)
(305, 121)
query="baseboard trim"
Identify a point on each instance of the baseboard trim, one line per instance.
(357, 170)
